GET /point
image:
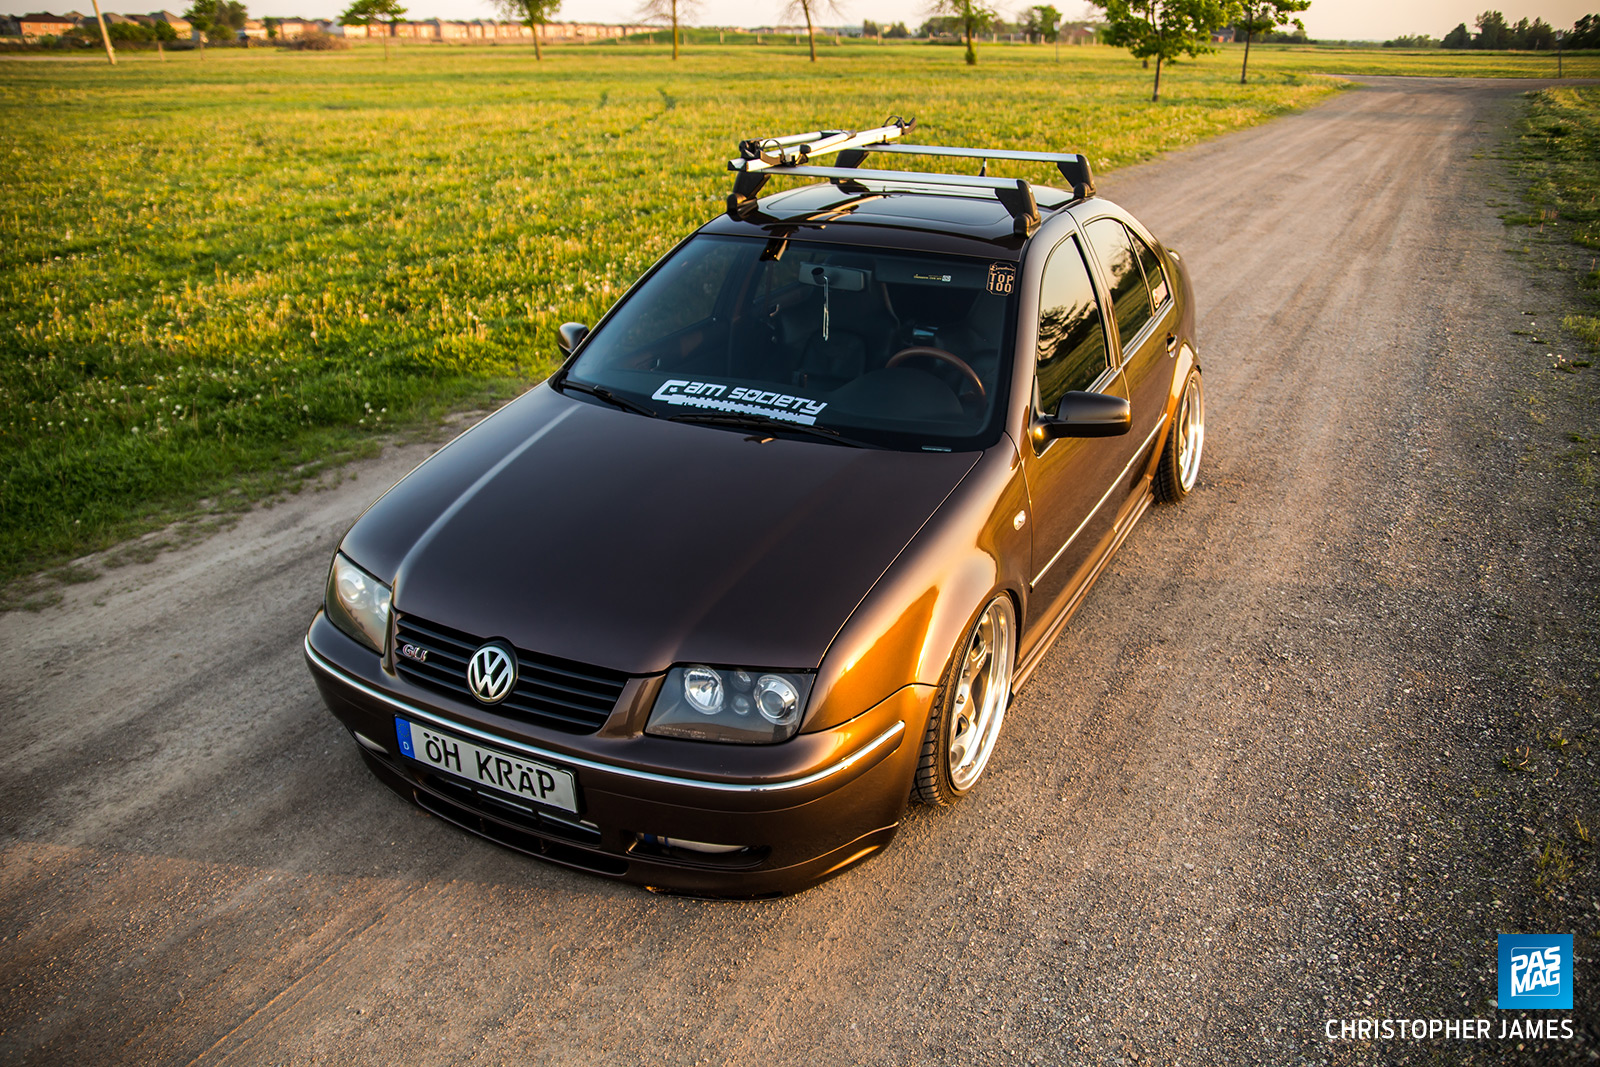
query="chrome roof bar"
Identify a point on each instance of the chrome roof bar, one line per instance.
(759, 158)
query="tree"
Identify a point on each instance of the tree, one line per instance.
(1264, 16)
(1493, 33)
(1163, 29)
(1041, 24)
(793, 8)
(105, 38)
(366, 12)
(1541, 36)
(973, 16)
(532, 14)
(1585, 33)
(1457, 38)
(668, 11)
(218, 15)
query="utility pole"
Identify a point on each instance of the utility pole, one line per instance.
(104, 36)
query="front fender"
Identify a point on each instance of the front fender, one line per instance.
(905, 629)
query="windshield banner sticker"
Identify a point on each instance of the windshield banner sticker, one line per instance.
(743, 401)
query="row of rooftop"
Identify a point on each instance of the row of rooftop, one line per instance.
(43, 24)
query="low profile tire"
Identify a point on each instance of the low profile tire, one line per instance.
(969, 708)
(1180, 459)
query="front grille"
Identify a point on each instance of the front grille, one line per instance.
(550, 692)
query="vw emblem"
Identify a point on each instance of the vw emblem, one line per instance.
(491, 673)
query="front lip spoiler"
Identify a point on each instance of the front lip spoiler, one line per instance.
(609, 768)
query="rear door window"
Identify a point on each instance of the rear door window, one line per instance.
(1072, 345)
(1153, 274)
(1130, 298)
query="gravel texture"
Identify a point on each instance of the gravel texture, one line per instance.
(1320, 733)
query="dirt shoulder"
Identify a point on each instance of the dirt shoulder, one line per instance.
(1296, 760)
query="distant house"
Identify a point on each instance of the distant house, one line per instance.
(1079, 33)
(1222, 36)
(289, 29)
(43, 24)
(254, 30)
(180, 26)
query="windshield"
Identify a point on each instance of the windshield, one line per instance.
(896, 349)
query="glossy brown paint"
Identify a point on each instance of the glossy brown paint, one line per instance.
(599, 518)
(569, 527)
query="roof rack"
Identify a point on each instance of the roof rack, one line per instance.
(762, 157)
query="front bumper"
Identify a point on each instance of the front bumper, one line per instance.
(800, 812)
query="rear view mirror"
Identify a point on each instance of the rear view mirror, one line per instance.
(839, 279)
(570, 336)
(1088, 415)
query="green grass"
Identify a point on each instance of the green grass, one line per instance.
(1558, 156)
(1430, 62)
(220, 272)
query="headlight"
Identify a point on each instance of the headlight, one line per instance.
(357, 603)
(750, 707)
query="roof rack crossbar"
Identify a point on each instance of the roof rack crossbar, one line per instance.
(1073, 166)
(760, 158)
(906, 177)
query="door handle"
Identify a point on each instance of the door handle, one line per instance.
(1172, 344)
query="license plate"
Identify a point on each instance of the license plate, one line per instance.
(500, 771)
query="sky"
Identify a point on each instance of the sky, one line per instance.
(1328, 19)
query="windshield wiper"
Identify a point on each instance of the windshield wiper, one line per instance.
(757, 422)
(601, 392)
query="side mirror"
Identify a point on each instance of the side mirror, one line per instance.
(1088, 415)
(570, 336)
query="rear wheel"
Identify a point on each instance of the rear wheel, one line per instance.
(1180, 460)
(969, 708)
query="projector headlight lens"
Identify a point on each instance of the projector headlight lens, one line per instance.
(357, 603)
(777, 699)
(701, 703)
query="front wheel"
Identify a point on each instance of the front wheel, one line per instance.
(969, 708)
(1180, 459)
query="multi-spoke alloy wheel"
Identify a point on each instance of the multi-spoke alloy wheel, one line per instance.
(966, 724)
(1180, 460)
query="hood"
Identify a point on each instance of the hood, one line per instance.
(593, 534)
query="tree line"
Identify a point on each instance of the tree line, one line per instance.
(1497, 34)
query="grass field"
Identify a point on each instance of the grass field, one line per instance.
(1558, 155)
(219, 273)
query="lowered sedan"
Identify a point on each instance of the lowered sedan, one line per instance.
(772, 551)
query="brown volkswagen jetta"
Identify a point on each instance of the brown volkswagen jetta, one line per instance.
(770, 553)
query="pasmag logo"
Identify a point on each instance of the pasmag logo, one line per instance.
(1536, 971)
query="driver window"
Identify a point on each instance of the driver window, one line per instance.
(1072, 345)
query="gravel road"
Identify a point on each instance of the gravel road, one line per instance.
(1269, 776)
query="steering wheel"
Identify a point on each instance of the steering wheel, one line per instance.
(942, 356)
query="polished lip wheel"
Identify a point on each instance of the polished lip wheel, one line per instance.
(1191, 432)
(983, 689)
